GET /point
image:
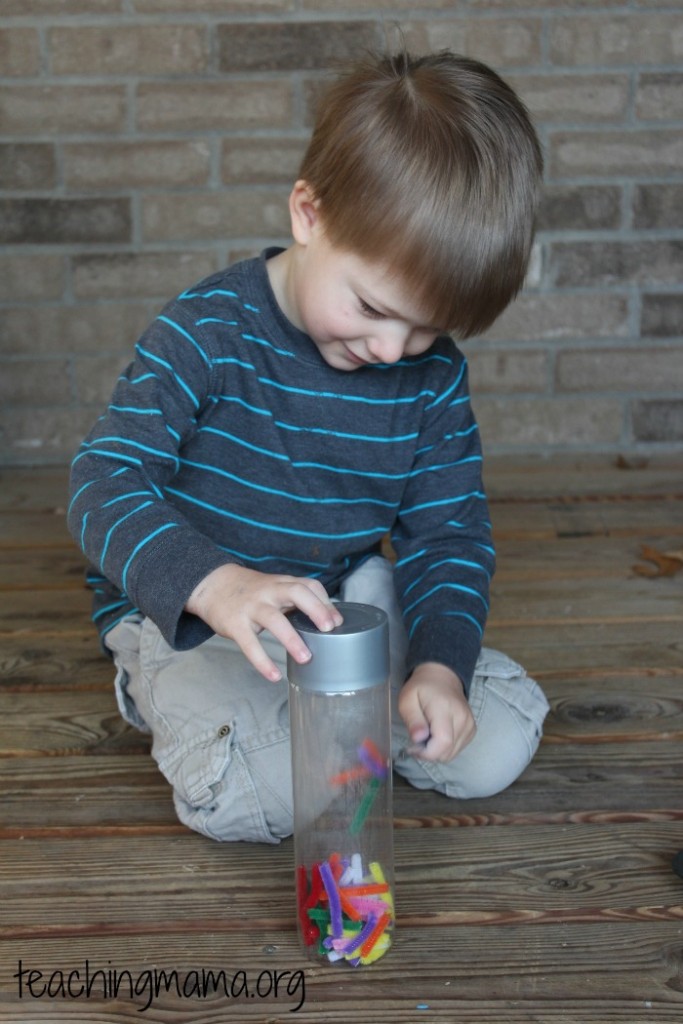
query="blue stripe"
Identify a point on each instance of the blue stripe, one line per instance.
(214, 320)
(449, 391)
(119, 456)
(142, 544)
(136, 444)
(176, 376)
(457, 615)
(287, 494)
(139, 380)
(346, 398)
(110, 608)
(445, 465)
(124, 497)
(352, 437)
(447, 561)
(447, 586)
(304, 465)
(137, 412)
(185, 334)
(105, 547)
(455, 499)
(209, 294)
(235, 362)
(376, 532)
(268, 344)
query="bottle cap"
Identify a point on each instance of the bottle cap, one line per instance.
(353, 656)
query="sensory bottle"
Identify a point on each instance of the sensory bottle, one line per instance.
(340, 717)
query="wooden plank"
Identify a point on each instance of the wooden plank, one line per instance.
(542, 520)
(57, 659)
(584, 650)
(39, 487)
(566, 782)
(547, 601)
(582, 476)
(36, 488)
(46, 568)
(43, 568)
(68, 723)
(54, 660)
(35, 529)
(652, 516)
(529, 874)
(481, 974)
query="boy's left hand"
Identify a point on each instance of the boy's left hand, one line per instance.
(436, 712)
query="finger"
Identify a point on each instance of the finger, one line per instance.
(310, 597)
(412, 714)
(282, 630)
(254, 653)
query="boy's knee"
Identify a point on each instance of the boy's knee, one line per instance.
(234, 794)
(509, 709)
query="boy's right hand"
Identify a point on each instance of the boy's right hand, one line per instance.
(239, 603)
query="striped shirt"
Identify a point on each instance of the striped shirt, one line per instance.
(230, 439)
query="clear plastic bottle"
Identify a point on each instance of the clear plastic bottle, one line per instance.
(340, 715)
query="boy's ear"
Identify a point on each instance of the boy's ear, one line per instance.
(303, 211)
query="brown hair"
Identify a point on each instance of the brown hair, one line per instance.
(432, 167)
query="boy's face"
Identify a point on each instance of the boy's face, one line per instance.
(355, 312)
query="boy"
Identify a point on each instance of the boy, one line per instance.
(281, 416)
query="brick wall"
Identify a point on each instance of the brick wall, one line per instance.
(145, 143)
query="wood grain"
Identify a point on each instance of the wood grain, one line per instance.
(553, 902)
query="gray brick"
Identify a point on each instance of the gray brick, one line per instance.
(214, 106)
(501, 42)
(28, 8)
(139, 275)
(658, 420)
(573, 97)
(29, 165)
(613, 39)
(268, 161)
(55, 221)
(121, 50)
(240, 212)
(658, 206)
(645, 369)
(25, 278)
(610, 153)
(95, 328)
(95, 377)
(539, 423)
(614, 263)
(51, 434)
(577, 207)
(222, 7)
(662, 315)
(19, 51)
(35, 383)
(103, 165)
(508, 371)
(659, 97)
(53, 110)
(539, 316)
(293, 46)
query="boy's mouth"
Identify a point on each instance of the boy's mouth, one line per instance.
(354, 358)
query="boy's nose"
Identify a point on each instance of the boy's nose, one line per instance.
(389, 345)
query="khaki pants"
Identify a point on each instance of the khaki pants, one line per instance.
(220, 731)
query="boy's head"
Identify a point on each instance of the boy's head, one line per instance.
(430, 167)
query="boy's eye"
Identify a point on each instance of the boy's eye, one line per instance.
(369, 310)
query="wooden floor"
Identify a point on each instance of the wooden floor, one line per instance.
(553, 902)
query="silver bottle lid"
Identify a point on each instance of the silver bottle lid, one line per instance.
(353, 656)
